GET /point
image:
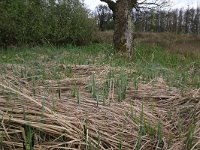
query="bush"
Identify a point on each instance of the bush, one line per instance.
(27, 22)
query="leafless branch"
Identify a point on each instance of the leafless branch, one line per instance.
(111, 4)
(145, 4)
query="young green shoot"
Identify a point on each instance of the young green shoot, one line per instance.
(59, 93)
(74, 91)
(160, 134)
(78, 96)
(86, 133)
(97, 99)
(190, 136)
(93, 85)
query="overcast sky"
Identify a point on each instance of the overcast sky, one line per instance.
(91, 4)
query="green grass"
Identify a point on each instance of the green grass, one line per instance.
(149, 61)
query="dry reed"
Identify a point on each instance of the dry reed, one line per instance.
(63, 124)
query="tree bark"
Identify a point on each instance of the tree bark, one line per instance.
(123, 33)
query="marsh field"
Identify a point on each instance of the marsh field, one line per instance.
(89, 97)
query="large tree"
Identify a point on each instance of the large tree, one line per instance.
(122, 13)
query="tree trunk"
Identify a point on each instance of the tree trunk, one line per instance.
(123, 33)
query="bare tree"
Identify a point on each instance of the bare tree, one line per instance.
(104, 17)
(180, 21)
(122, 13)
(198, 20)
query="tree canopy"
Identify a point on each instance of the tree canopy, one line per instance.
(27, 22)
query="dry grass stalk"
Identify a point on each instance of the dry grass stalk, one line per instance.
(63, 124)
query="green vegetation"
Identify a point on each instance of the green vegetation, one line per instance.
(39, 22)
(95, 98)
(149, 63)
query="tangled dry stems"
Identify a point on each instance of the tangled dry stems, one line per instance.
(64, 124)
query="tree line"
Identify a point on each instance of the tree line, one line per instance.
(177, 21)
(34, 22)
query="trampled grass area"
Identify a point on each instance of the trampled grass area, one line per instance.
(92, 98)
(149, 61)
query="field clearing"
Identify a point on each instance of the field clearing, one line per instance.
(91, 98)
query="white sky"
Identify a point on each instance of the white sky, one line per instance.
(91, 4)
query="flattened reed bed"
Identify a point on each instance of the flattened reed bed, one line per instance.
(55, 123)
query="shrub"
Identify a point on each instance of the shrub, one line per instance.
(27, 22)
